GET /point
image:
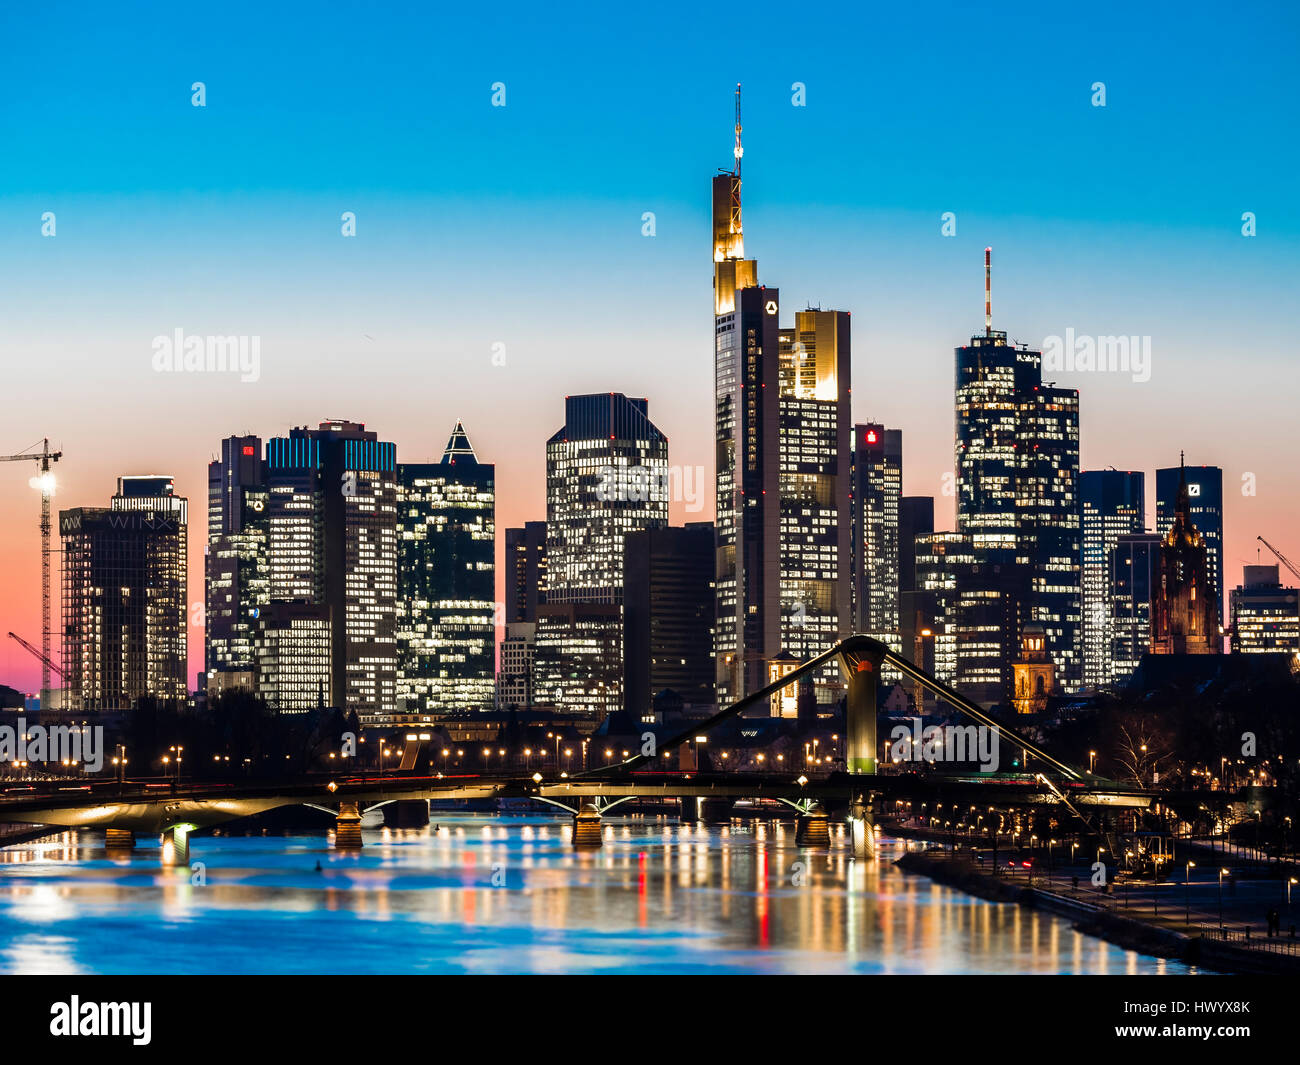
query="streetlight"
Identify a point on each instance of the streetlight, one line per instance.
(1187, 885)
(1092, 761)
(1221, 872)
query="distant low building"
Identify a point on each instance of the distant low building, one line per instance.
(1265, 615)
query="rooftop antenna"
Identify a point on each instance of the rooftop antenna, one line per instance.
(988, 291)
(739, 151)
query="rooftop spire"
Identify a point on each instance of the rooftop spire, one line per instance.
(988, 292)
(739, 151)
(459, 447)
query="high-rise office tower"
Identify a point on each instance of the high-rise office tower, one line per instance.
(816, 469)
(1112, 504)
(236, 562)
(525, 563)
(606, 476)
(332, 495)
(877, 528)
(1185, 614)
(292, 656)
(1017, 459)
(1265, 616)
(668, 616)
(446, 621)
(515, 679)
(747, 458)
(916, 607)
(1205, 511)
(1133, 566)
(124, 597)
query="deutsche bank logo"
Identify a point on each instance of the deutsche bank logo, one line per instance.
(1193, 489)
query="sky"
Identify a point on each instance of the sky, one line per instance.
(499, 261)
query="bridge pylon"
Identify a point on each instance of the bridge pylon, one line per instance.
(813, 828)
(176, 844)
(862, 827)
(119, 839)
(587, 830)
(860, 665)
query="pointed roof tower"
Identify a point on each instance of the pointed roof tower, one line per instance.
(459, 449)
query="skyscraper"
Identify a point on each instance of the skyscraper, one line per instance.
(525, 562)
(333, 542)
(1017, 460)
(236, 563)
(1113, 504)
(1185, 615)
(446, 624)
(877, 551)
(816, 467)
(783, 466)
(668, 616)
(747, 395)
(1205, 511)
(606, 476)
(1134, 569)
(124, 597)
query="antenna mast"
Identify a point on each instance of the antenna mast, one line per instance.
(988, 292)
(739, 151)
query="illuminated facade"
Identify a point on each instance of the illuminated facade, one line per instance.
(877, 502)
(1265, 616)
(606, 476)
(1035, 676)
(1112, 504)
(1185, 609)
(124, 598)
(783, 466)
(332, 496)
(515, 680)
(815, 454)
(1134, 565)
(236, 562)
(446, 624)
(1017, 463)
(292, 656)
(1204, 510)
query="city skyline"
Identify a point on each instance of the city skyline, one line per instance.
(853, 235)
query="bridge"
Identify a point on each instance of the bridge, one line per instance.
(175, 811)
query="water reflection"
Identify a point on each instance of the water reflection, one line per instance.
(483, 894)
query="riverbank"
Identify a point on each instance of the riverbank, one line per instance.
(1094, 919)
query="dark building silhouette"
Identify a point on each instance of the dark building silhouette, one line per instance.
(668, 616)
(525, 562)
(1204, 507)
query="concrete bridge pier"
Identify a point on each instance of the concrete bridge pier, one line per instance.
(715, 811)
(407, 813)
(119, 839)
(690, 809)
(862, 829)
(176, 845)
(347, 827)
(586, 827)
(813, 829)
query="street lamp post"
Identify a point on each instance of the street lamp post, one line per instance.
(1187, 885)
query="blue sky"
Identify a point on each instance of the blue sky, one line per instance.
(521, 225)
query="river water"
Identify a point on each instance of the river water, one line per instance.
(486, 893)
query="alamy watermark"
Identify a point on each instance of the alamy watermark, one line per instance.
(208, 354)
(945, 743)
(640, 484)
(57, 744)
(1109, 354)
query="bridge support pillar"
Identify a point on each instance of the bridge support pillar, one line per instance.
(586, 827)
(862, 830)
(690, 809)
(813, 829)
(347, 827)
(119, 839)
(407, 813)
(862, 678)
(176, 845)
(715, 811)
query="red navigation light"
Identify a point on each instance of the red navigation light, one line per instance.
(249, 449)
(864, 666)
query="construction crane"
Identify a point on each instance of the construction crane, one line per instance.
(45, 660)
(1281, 557)
(45, 482)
